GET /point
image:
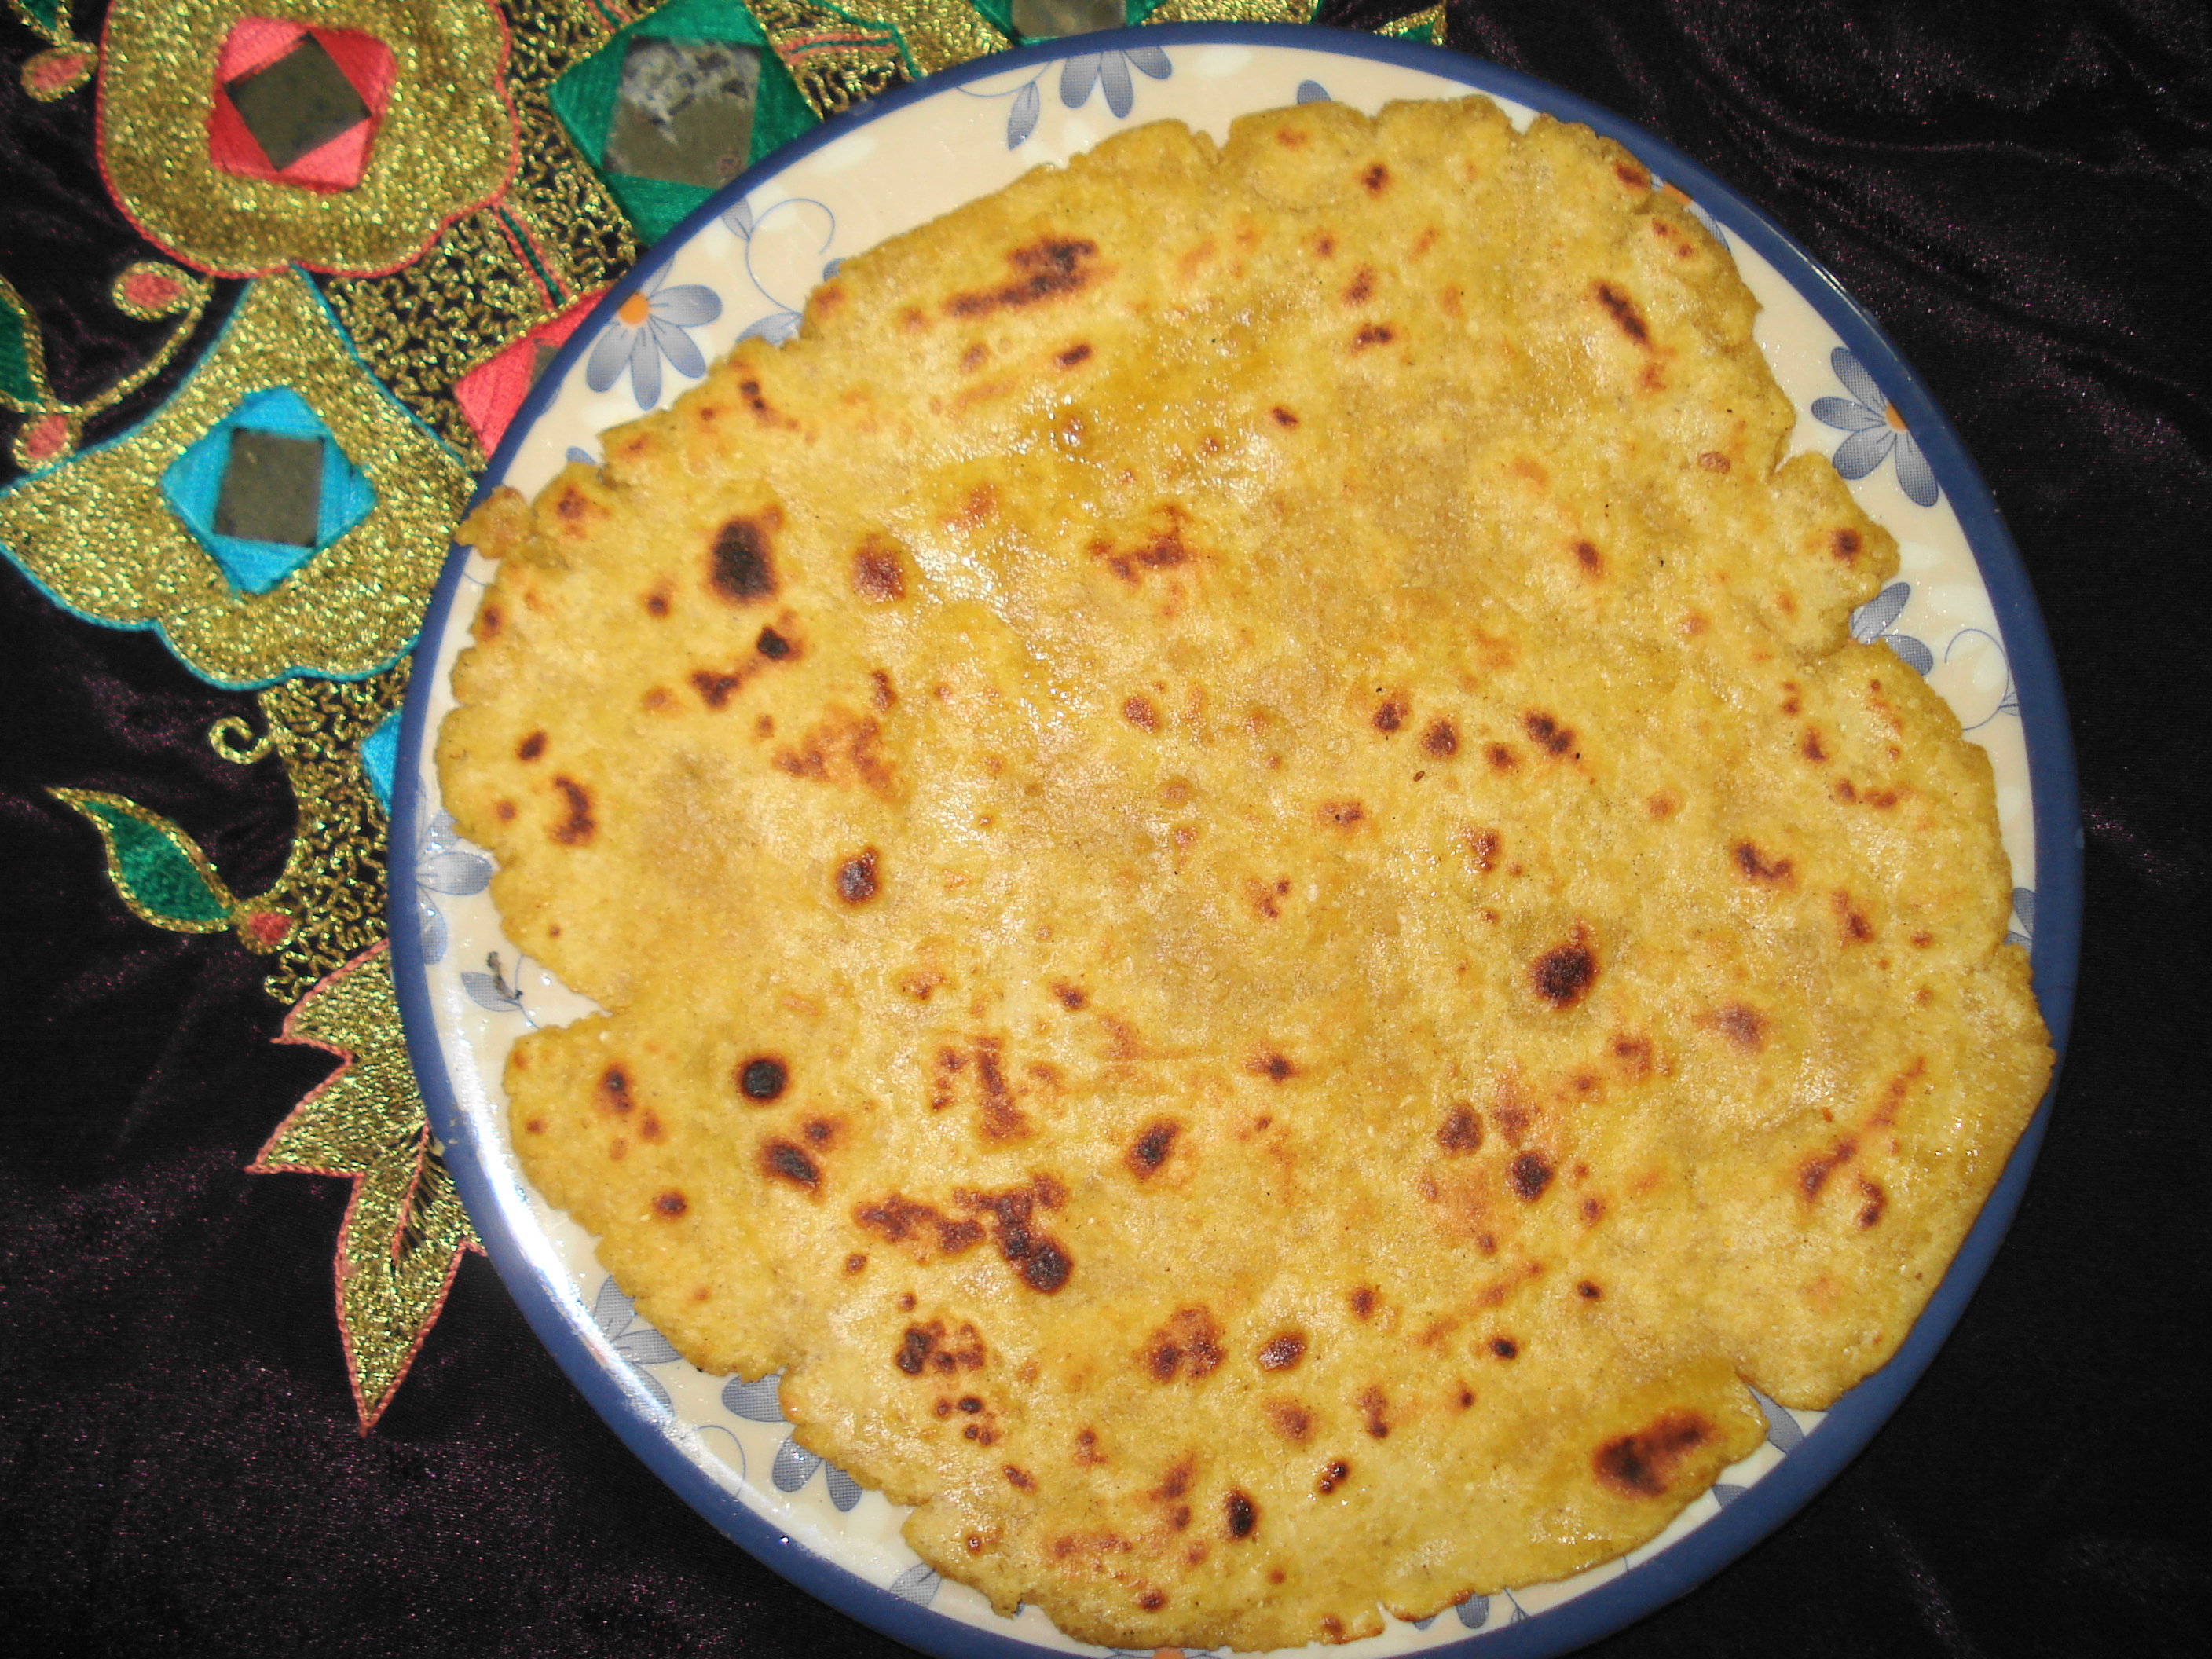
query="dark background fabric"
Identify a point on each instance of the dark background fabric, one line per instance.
(2021, 191)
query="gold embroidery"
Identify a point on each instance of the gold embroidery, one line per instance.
(835, 60)
(444, 145)
(147, 290)
(936, 33)
(404, 1231)
(99, 536)
(421, 329)
(67, 64)
(554, 237)
(332, 888)
(1427, 26)
(1234, 11)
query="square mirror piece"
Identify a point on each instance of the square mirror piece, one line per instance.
(684, 114)
(272, 488)
(298, 104)
(1051, 19)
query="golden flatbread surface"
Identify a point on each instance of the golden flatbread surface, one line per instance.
(1255, 917)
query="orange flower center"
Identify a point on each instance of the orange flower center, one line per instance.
(633, 310)
(1889, 410)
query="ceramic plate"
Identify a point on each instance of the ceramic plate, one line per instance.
(1960, 612)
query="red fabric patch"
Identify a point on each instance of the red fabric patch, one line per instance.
(255, 43)
(491, 392)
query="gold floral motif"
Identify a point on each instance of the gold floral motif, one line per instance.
(404, 1230)
(97, 534)
(446, 143)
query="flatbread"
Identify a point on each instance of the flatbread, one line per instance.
(1257, 919)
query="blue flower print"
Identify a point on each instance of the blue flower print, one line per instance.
(1022, 119)
(616, 1315)
(649, 326)
(444, 863)
(1874, 620)
(794, 1466)
(917, 1584)
(490, 990)
(1784, 1431)
(1876, 429)
(1111, 70)
(2023, 907)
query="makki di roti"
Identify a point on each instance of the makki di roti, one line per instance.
(1255, 917)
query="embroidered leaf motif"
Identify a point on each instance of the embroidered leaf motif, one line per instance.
(19, 380)
(158, 870)
(404, 1230)
(47, 14)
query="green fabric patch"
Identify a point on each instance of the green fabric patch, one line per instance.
(653, 205)
(585, 99)
(154, 866)
(781, 114)
(17, 381)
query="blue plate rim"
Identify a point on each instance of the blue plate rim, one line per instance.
(2054, 949)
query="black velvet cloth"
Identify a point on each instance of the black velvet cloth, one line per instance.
(2021, 191)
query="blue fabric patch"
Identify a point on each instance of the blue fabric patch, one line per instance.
(379, 758)
(193, 485)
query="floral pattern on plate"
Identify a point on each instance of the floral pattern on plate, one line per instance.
(649, 326)
(1877, 432)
